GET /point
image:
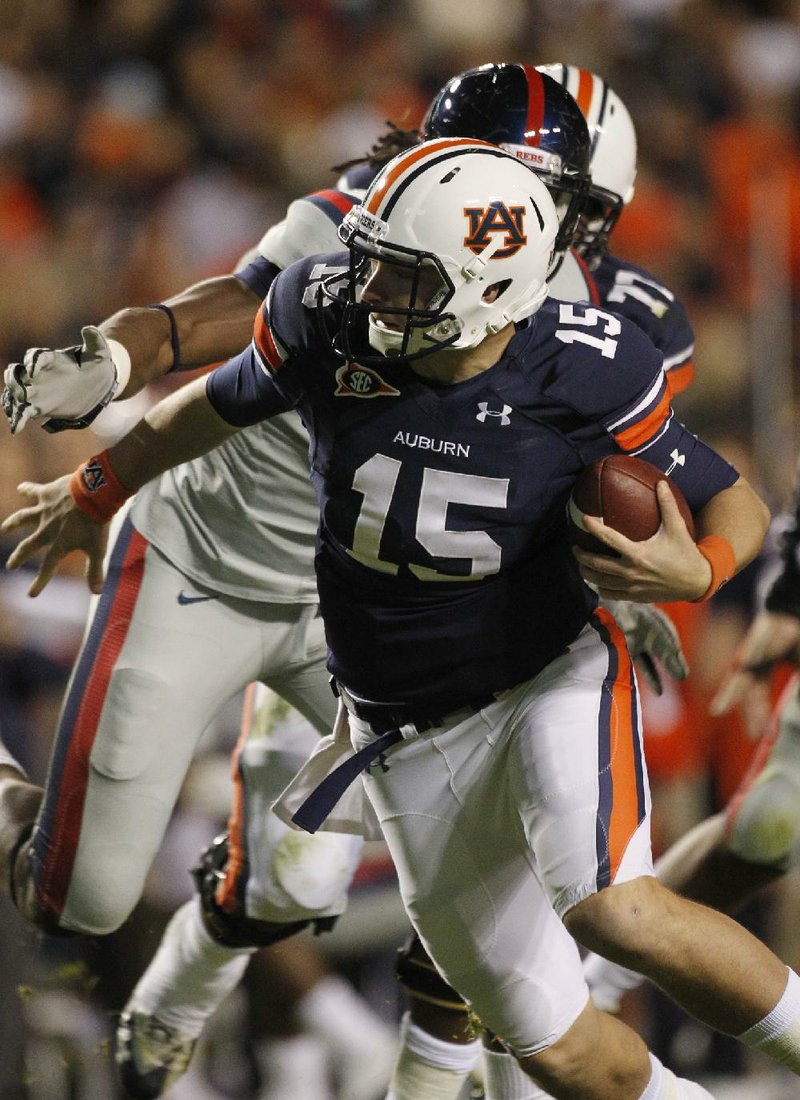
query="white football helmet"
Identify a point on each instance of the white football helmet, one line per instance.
(613, 158)
(477, 216)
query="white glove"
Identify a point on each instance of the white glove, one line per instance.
(67, 386)
(650, 634)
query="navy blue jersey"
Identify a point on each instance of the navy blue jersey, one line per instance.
(443, 565)
(643, 299)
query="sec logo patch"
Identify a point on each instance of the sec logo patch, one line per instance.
(353, 380)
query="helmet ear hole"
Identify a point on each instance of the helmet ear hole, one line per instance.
(493, 292)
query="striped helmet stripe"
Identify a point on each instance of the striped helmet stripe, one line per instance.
(584, 92)
(421, 156)
(601, 115)
(535, 119)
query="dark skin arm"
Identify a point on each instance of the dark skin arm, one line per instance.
(214, 320)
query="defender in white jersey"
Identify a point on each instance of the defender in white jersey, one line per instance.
(178, 532)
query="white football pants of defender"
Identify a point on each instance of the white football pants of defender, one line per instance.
(160, 656)
(500, 822)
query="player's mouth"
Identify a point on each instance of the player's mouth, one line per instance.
(390, 322)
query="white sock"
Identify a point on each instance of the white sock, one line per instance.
(190, 975)
(504, 1080)
(778, 1034)
(430, 1067)
(664, 1085)
(293, 1067)
(608, 982)
(655, 1086)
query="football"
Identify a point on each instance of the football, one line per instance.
(621, 490)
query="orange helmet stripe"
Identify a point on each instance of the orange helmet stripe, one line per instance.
(583, 96)
(410, 158)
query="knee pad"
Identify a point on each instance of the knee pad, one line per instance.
(232, 927)
(420, 978)
(308, 875)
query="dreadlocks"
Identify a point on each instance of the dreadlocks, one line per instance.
(387, 146)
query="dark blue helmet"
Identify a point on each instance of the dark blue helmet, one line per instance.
(528, 114)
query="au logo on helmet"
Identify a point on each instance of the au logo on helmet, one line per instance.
(496, 218)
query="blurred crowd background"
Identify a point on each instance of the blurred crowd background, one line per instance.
(145, 144)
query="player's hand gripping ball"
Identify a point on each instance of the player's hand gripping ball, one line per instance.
(621, 490)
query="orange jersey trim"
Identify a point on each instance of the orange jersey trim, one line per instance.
(228, 890)
(631, 439)
(622, 806)
(264, 341)
(680, 378)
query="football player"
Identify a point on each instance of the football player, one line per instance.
(486, 701)
(183, 551)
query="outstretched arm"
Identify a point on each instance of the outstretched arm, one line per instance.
(72, 512)
(67, 387)
(213, 321)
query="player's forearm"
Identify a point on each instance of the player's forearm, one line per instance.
(738, 515)
(213, 321)
(177, 429)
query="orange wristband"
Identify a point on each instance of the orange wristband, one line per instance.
(719, 554)
(96, 489)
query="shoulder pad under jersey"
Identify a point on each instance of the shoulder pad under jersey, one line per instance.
(602, 366)
(573, 281)
(287, 322)
(310, 226)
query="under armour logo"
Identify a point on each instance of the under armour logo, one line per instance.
(677, 460)
(503, 413)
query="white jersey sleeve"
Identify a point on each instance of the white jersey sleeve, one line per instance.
(310, 226)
